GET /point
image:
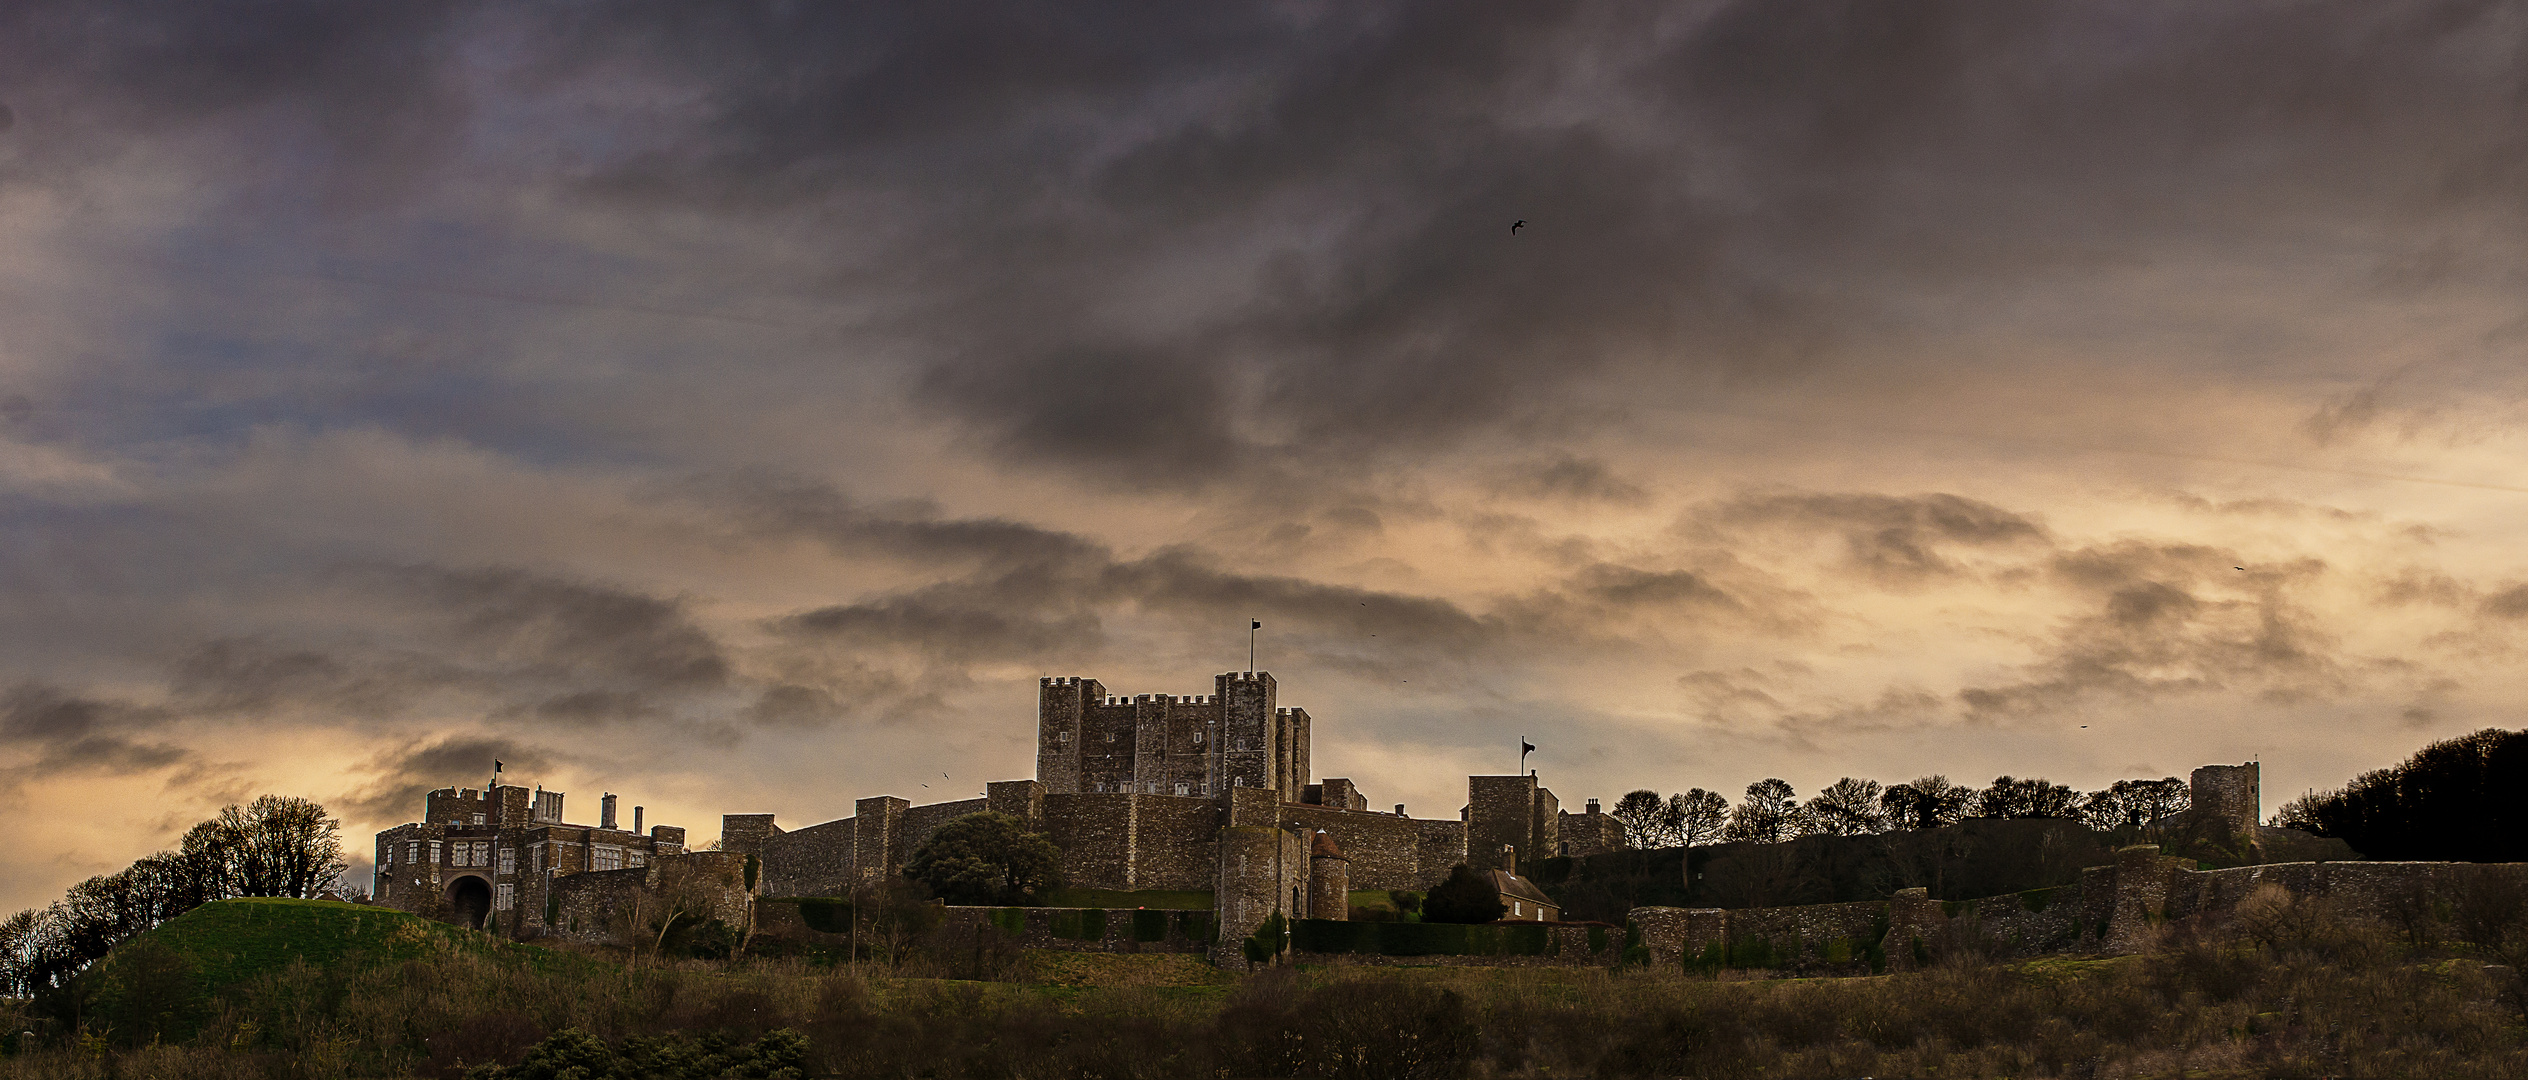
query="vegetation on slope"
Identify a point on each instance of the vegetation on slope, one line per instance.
(2286, 989)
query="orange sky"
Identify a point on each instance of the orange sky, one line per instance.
(740, 411)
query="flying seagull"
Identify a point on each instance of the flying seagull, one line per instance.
(1515, 225)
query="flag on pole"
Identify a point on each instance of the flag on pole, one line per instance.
(1254, 625)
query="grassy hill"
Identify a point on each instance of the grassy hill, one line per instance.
(168, 981)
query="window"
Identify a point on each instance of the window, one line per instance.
(1066, 737)
(478, 819)
(1183, 789)
(508, 860)
(535, 859)
(1515, 909)
(412, 851)
(603, 857)
(635, 858)
(1198, 738)
(504, 896)
(1110, 736)
(434, 851)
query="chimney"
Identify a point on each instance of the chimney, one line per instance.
(1593, 806)
(1510, 858)
(605, 811)
(1399, 809)
(636, 815)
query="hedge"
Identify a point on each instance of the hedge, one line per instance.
(1079, 924)
(1419, 939)
(1149, 925)
(1010, 920)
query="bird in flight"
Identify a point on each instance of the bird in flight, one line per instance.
(1516, 225)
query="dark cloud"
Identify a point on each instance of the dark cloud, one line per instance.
(2165, 623)
(546, 626)
(1894, 539)
(2509, 603)
(59, 731)
(400, 777)
(1574, 478)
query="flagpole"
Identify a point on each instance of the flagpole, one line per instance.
(1252, 625)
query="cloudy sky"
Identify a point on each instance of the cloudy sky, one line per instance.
(738, 407)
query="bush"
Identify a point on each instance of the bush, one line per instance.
(1149, 925)
(1468, 896)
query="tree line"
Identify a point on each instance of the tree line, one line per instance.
(274, 846)
(1772, 812)
(2454, 800)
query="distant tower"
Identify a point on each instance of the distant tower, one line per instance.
(2229, 798)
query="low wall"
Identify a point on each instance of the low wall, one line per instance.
(1499, 944)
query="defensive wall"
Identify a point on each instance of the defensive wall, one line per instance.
(2117, 909)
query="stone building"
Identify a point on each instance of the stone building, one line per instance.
(1205, 793)
(1190, 793)
(488, 857)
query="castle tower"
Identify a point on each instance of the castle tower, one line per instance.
(1062, 714)
(1250, 732)
(2229, 798)
(1329, 880)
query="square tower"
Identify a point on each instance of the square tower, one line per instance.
(1250, 732)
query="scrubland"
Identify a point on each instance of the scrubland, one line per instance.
(2286, 990)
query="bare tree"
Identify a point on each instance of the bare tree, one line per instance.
(2029, 798)
(1697, 817)
(1847, 807)
(1767, 815)
(1929, 802)
(677, 893)
(2136, 806)
(1642, 815)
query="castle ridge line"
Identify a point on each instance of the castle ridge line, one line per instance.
(1181, 792)
(1208, 793)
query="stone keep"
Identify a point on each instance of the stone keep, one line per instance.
(2229, 798)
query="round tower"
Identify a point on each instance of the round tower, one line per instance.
(1329, 880)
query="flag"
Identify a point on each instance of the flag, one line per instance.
(1254, 625)
(495, 766)
(1526, 748)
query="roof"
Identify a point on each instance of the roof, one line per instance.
(1512, 885)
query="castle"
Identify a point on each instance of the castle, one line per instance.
(1195, 792)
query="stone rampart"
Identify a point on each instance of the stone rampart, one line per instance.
(814, 861)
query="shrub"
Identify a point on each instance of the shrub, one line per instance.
(1468, 896)
(826, 915)
(1149, 925)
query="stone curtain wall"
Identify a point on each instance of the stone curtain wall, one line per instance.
(2114, 909)
(921, 821)
(1438, 845)
(814, 861)
(1176, 842)
(1095, 833)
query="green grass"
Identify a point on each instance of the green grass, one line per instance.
(170, 976)
(1172, 899)
(231, 941)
